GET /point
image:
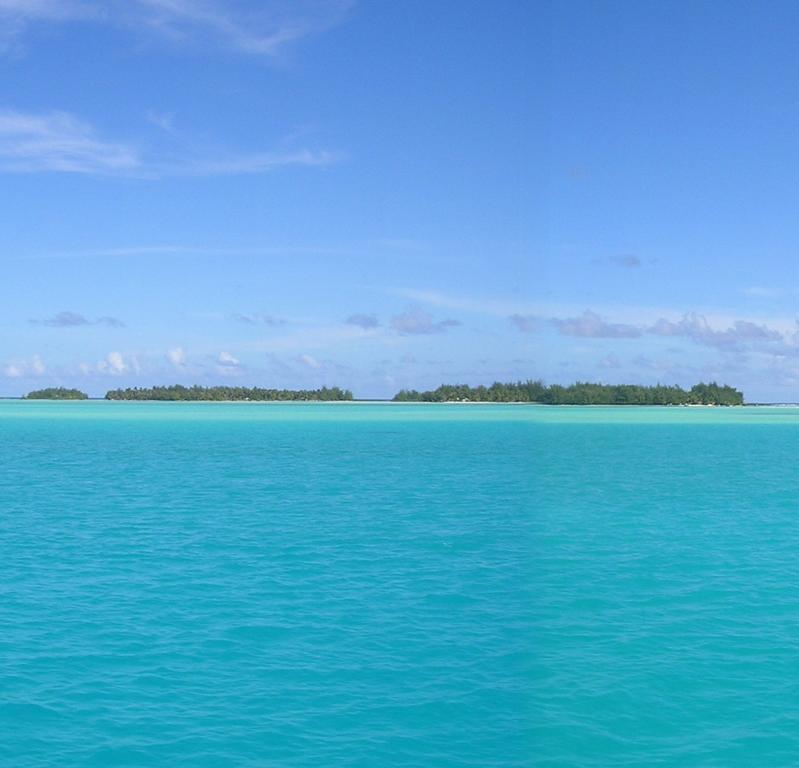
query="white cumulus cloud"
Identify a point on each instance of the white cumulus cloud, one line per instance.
(14, 370)
(228, 365)
(113, 364)
(225, 358)
(33, 366)
(177, 356)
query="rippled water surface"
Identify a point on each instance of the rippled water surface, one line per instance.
(375, 585)
(665, 551)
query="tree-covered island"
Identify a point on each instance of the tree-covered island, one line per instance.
(56, 393)
(197, 393)
(581, 393)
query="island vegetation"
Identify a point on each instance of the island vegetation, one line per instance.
(197, 393)
(56, 393)
(581, 393)
(531, 391)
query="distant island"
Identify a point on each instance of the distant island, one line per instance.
(581, 393)
(196, 393)
(56, 393)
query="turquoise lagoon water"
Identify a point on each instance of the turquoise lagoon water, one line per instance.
(377, 585)
(288, 585)
(665, 555)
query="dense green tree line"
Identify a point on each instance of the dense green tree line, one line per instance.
(581, 393)
(525, 392)
(196, 393)
(56, 393)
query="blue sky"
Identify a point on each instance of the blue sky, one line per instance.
(381, 195)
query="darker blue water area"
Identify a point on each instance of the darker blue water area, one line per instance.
(280, 585)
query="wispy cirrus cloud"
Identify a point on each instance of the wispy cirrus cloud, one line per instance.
(58, 142)
(248, 163)
(40, 9)
(163, 120)
(261, 29)
(67, 319)
(17, 15)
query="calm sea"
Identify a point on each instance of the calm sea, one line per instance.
(664, 546)
(377, 585)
